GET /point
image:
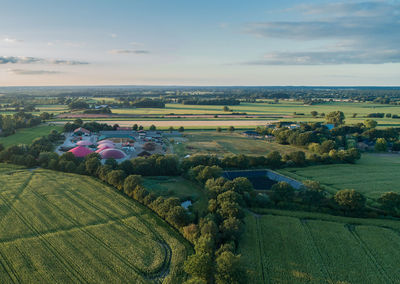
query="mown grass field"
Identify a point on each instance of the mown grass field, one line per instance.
(65, 228)
(27, 135)
(178, 187)
(221, 143)
(295, 247)
(372, 175)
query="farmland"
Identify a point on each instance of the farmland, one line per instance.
(318, 248)
(27, 135)
(284, 109)
(372, 175)
(220, 143)
(58, 227)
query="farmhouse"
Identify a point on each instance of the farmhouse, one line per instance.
(81, 131)
(250, 133)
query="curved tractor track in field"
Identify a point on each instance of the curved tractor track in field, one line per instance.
(154, 274)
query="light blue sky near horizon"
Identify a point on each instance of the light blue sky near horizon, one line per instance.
(154, 42)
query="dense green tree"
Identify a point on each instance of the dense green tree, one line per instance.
(381, 145)
(229, 269)
(335, 117)
(369, 123)
(92, 165)
(274, 159)
(200, 265)
(350, 200)
(131, 182)
(116, 178)
(282, 191)
(177, 216)
(390, 201)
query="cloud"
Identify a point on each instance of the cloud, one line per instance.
(67, 62)
(363, 32)
(33, 72)
(21, 60)
(328, 57)
(11, 40)
(31, 60)
(113, 35)
(129, 51)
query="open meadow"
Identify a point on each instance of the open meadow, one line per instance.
(178, 187)
(57, 227)
(372, 175)
(221, 143)
(298, 247)
(27, 135)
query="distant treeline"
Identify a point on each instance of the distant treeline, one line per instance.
(219, 102)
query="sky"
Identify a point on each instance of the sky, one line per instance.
(201, 43)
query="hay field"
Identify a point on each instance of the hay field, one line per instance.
(372, 175)
(318, 248)
(221, 143)
(57, 227)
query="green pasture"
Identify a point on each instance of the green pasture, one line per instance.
(221, 143)
(281, 247)
(56, 109)
(177, 187)
(65, 228)
(282, 108)
(27, 135)
(372, 175)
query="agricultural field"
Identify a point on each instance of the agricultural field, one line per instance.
(221, 143)
(372, 175)
(177, 187)
(284, 108)
(198, 116)
(56, 109)
(57, 227)
(27, 135)
(318, 248)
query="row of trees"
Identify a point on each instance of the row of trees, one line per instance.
(10, 123)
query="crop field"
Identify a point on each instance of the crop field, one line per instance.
(177, 187)
(57, 227)
(220, 143)
(372, 175)
(27, 135)
(56, 109)
(283, 108)
(310, 249)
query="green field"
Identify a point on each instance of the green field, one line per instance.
(318, 248)
(284, 111)
(221, 143)
(27, 135)
(372, 175)
(178, 187)
(65, 228)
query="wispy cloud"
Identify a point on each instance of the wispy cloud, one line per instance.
(31, 60)
(370, 31)
(33, 72)
(11, 40)
(328, 57)
(129, 51)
